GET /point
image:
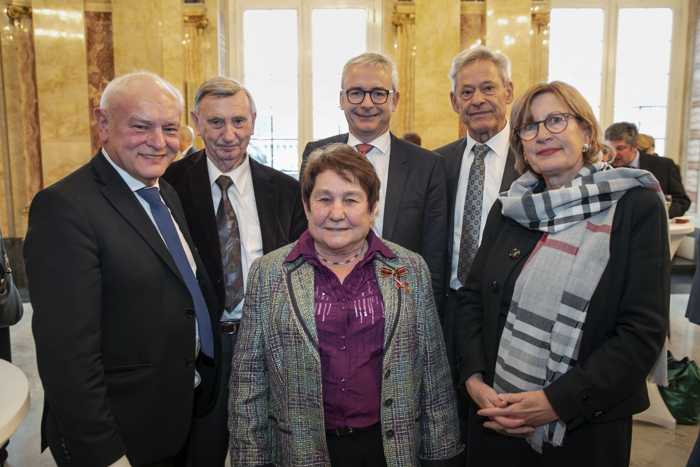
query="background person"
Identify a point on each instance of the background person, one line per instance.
(345, 311)
(566, 307)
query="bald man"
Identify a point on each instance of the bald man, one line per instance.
(123, 310)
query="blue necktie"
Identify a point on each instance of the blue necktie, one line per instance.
(165, 224)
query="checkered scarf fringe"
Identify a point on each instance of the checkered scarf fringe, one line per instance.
(543, 329)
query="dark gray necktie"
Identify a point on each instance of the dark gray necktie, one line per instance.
(471, 219)
(230, 244)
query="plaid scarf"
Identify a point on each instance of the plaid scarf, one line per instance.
(543, 329)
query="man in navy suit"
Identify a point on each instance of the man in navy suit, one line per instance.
(413, 199)
(123, 309)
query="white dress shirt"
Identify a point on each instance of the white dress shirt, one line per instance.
(495, 162)
(242, 199)
(379, 157)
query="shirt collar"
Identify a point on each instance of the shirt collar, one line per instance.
(498, 142)
(305, 248)
(133, 183)
(635, 161)
(381, 142)
(237, 175)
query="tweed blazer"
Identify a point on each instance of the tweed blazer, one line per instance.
(276, 407)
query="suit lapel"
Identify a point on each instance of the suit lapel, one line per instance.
(391, 295)
(509, 172)
(201, 202)
(118, 194)
(301, 283)
(395, 186)
(265, 202)
(453, 165)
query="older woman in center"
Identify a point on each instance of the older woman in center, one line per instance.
(340, 359)
(566, 306)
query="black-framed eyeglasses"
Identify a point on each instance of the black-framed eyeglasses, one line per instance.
(554, 123)
(357, 95)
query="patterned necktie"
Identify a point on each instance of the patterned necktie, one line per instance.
(230, 244)
(471, 219)
(166, 226)
(364, 148)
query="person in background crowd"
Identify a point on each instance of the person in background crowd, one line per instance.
(10, 313)
(479, 166)
(646, 144)
(622, 137)
(412, 207)
(124, 313)
(237, 210)
(340, 359)
(186, 135)
(566, 305)
(412, 137)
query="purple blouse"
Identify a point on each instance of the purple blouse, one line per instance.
(350, 326)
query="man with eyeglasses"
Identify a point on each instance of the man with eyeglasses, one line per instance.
(479, 166)
(413, 196)
(622, 138)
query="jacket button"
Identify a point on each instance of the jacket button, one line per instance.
(388, 402)
(494, 286)
(598, 413)
(514, 253)
(189, 362)
(387, 374)
(389, 434)
(189, 312)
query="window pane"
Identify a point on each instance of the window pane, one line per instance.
(336, 35)
(643, 66)
(271, 73)
(569, 61)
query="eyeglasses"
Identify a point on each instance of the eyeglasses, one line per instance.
(554, 123)
(357, 95)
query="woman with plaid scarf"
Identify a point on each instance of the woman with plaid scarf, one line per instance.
(566, 307)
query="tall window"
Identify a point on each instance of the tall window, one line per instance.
(623, 55)
(290, 55)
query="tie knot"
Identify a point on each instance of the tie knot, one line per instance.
(224, 182)
(363, 148)
(480, 150)
(150, 194)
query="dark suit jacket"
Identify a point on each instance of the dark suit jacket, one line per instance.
(626, 321)
(669, 177)
(277, 196)
(113, 322)
(415, 209)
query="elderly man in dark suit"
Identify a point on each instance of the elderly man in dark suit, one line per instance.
(124, 311)
(238, 210)
(622, 138)
(412, 209)
(479, 166)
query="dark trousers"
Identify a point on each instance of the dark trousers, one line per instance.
(449, 310)
(209, 435)
(589, 445)
(5, 354)
(694, 459)
(360, 449)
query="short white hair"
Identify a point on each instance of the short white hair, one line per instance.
(469, 56)
(120, 83)
(373, 58)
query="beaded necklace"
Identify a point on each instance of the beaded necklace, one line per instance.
(358, 254)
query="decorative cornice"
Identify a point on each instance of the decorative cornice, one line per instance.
(17, 12)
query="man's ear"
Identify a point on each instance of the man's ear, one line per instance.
(102, 120)
(509, 92)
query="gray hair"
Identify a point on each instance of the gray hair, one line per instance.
(221, 86)
(469, 56)
(622, 130)
(373, 58)
(121, 83)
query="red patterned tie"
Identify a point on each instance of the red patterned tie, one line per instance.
(364, 148)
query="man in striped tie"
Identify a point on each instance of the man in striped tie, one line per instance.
(124, 312)
(412, 207)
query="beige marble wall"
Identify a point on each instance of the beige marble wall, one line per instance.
(20, 151)
(61, 70)
(100, 63)
(508, 25)
(435, 47)
(148, 35)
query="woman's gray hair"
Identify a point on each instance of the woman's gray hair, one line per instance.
(373, 58)
(221, 86)
(469, 56)
(118, 84)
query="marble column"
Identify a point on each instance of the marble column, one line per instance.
(508, 25)
(100, 62)
(435, 120)
(148, 35)
(61, 71)
(403, 52)
(200, 45)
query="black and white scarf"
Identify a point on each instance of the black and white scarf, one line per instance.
(543, 328)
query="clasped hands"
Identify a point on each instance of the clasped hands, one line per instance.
(516, 414)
